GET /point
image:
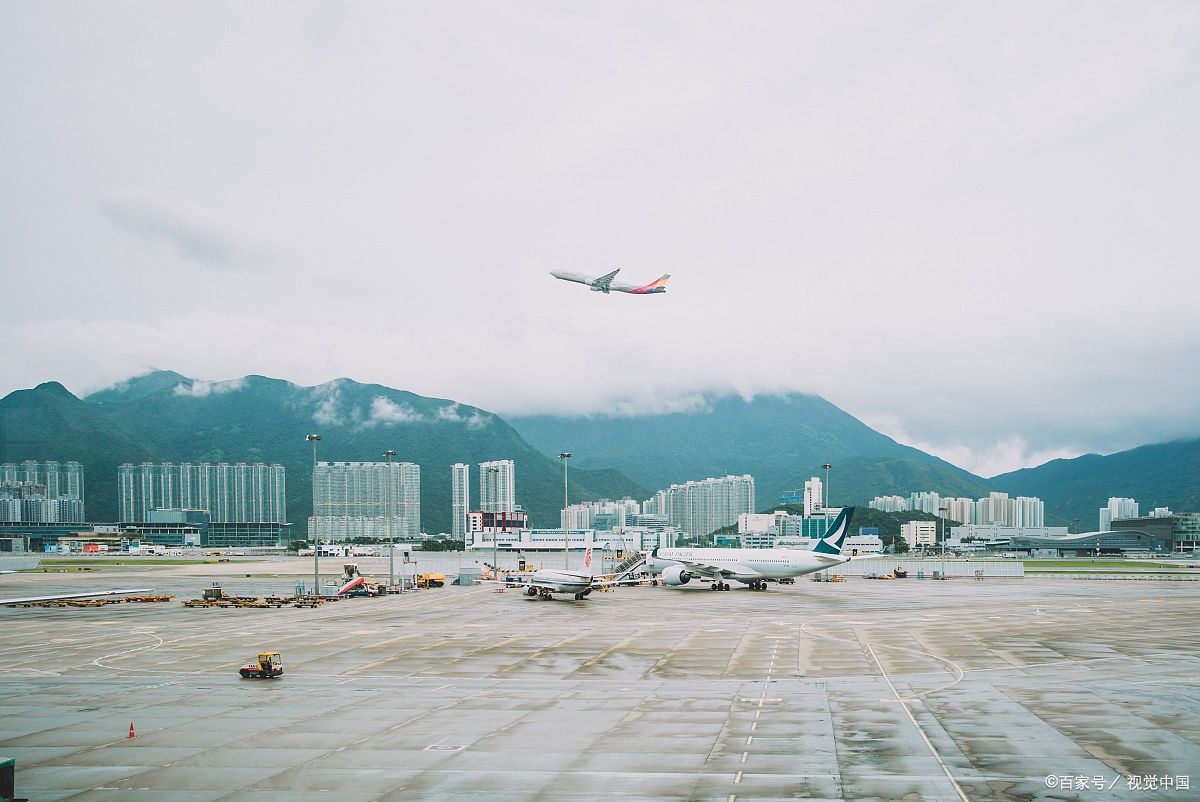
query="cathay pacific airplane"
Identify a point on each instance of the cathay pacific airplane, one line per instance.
(752, 567)
(605, 283)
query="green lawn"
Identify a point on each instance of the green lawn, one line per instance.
(1088, 565)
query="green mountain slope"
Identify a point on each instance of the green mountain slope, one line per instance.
(165, 417)
(1160, 475)
(780, 440)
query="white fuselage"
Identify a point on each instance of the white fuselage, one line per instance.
(582, 279)
(556, 580)
(744, 565)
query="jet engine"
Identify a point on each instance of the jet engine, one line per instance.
(676, 576)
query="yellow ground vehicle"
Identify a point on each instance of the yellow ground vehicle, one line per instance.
(431, 580)
(269, 664)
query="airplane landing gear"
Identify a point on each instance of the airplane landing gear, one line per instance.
(718, 586)
(531, 592)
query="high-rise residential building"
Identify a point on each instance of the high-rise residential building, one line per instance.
(229, 492)
(700, 508)
(993, 510)
(889, 504)
(1116, 509)
(585, 515)
(41, 492)
(958, 509)
(925, 501)
(498, 486)
(460, 499)
(1027, 512)
(814, 502)
(353, 499)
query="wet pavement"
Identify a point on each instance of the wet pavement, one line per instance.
(920, 690)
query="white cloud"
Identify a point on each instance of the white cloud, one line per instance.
(199, 388)
(385, 411)
(975, 220)
(161, 217)
(327, 397)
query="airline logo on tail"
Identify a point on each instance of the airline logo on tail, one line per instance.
(836, 534)
(658, 285)
(587, 559)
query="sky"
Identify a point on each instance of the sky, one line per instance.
(971, 225)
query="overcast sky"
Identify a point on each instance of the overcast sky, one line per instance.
(972, 225)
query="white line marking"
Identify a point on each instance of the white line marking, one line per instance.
(904, 704)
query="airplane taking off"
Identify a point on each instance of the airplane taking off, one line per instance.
(752, 567)
(605, 283)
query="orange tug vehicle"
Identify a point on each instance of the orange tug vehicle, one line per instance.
(269, 664)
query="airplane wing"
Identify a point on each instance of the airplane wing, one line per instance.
(704, 569)
(64, 596)
(604, 282)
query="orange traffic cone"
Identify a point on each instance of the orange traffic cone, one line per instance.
(132, 734)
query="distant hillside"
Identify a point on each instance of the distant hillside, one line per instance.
(167, 417)
(781, 440)
(1162, 475)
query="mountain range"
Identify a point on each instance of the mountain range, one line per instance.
(164, 416)
(1158, 475)
(781, 440)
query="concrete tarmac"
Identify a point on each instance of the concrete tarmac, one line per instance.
(860, 690)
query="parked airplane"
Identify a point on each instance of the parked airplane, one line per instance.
(752, 567)
(605, 283)
(64, 596)
(548, 581)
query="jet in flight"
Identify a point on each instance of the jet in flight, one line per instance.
(605, 283)
(752, 567)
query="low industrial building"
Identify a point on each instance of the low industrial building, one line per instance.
(630, 538)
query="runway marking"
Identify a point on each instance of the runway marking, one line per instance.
(920, 731)
(922, 653)
(749, 739)
(744, 756)
(738, 777)
(99, 664)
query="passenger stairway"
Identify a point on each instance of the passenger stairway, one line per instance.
(629, 567)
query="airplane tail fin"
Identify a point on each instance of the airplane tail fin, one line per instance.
(835, 536)
(587, 561)
(658, 285)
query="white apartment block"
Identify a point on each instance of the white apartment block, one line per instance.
(959, 509)
(756, 522)
(925, 501)
(353, 499)
(615, 513)
(1116, 509)
(228, 492)
(498, 486)
(889, 504)
(919, 533)
(814, 502)
(700, 508)
(460, 499)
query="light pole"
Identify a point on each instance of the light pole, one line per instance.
(390, 518)
(566, 455)
(314, 439)
(493, 470)
(825, 506)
